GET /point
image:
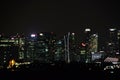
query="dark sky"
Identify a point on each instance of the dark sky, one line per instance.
(36, 16)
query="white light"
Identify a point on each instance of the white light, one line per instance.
(41, 34)
(59, 42)
(95, 35)
(87, 29)
(114, 62)
(46, 50)
(33, 35)
(117, 53)
(73, 33)
(92, 52)
(12, 38)
(109, 43)
(101, 51)
(112, 29)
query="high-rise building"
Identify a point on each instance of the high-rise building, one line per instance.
(82, 49)
(67, 47)
(118, 37)
(93, 47)
(41, 47)
(71, 48)
(113, 42)
(87, 43)
(19, 40)
(74, 54)
(59, 53)
(9, 49)
(30, 46)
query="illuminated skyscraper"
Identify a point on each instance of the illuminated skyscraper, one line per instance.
(19, 40)
(93, 43)
(9, 49)
(59, 54)
(40, 47)
(82, 49)
(118, 37)
(74, 54)
(67, 47)
(71, 48)
(93, 47)
(30, 46)
(87, 44)
(113, 42)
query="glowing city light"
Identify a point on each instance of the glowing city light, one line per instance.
(12, 38)
(112, 29)
(87, 29)
(11, 63)
(41, 34)
(95, 35)
(73, 33)
(33, 35)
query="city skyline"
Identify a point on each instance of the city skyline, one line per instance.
(23, 52)
(87, 39)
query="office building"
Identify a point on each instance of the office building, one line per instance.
(40, 47)
(9, 49)
(112, 42)
(59, 53)
(88, 33)
(93, 47)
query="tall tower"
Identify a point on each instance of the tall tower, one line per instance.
(112, 44)
(41, 47)
(30, 46)
(87, 43)
(74, 53)
(118, 37)
(93, 43)
(67, 51)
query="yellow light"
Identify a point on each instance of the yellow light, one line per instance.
(12, 63)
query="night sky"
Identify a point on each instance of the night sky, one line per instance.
(60, 17)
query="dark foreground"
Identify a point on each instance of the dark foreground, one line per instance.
(60, 72)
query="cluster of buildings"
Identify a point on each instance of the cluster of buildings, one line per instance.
(46, 47)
